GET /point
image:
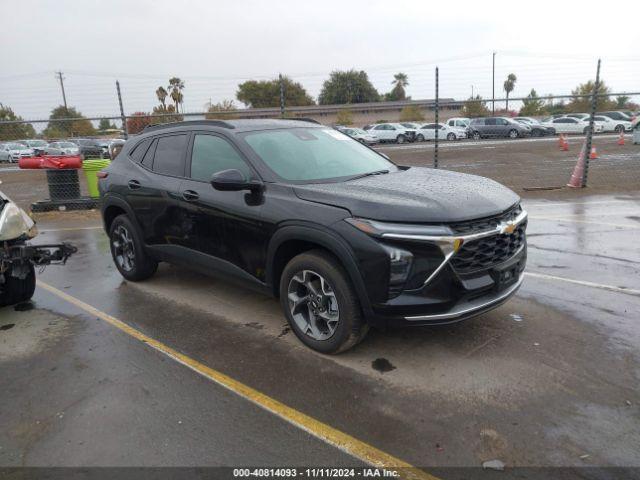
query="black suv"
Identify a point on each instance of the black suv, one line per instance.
(345, 238)
(90, 148)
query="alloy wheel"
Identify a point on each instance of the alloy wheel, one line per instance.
(313, 305)
(123, 248)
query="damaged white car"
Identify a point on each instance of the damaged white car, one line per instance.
(18, 257)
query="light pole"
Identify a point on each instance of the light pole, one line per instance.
(493, 81)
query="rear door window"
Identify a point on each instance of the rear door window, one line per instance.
(169, 155)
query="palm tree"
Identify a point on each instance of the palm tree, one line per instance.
(400, 80)
(509, 85)
(176, 86)
(162, 94)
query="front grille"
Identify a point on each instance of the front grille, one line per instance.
(485, 224)
(489, 251)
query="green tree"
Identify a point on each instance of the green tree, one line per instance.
(348, 87)
(400, 80)
(344, 117)
(266, 93)
(622, 101)
(475, 107)
(106, 124)
(509, 85)
(68, 122)
(14, 131)
(176, 86)
(162, 94)
(223, 110)
(411, 113)
(581, 103)
(532, 105)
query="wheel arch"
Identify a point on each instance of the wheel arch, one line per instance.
(292, 240)
(113, 206)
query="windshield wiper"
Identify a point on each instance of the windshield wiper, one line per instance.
(377, 172)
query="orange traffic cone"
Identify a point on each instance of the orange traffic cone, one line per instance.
(561, 141)
(578, 170)
(565, 144)
(621, 138)
(593, 155)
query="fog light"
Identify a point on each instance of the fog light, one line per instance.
(400, 262)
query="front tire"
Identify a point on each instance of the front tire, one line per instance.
(127, 251)
(451, 137)
(320, 303)
(619, 128)
(15, 290)
(513, 134)
(400, 139)
(420, 138)
(476, 136)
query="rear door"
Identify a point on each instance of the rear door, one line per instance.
(224, 227)
(153, 187)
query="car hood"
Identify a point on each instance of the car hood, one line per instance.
(415, 195)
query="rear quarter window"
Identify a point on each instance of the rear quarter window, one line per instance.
(139, 150)
(169, 155)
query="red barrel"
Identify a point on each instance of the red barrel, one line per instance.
(51, 162)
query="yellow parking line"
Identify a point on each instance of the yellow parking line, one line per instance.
(322, 431)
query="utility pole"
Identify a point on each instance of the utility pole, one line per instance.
(493, 81)
(435, 147)
(281, 97)
(471, 92)
(589, 140)
(64, 96)
(122, 115)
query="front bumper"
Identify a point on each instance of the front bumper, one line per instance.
(453, 291)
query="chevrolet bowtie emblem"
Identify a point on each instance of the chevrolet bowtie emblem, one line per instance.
(507, 228)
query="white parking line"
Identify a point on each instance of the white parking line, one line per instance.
(611, 288)
(565, 218)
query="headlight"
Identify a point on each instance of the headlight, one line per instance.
(400, 265)
(14, 223)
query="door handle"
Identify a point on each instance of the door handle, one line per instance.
(190, 195)
(134, 184)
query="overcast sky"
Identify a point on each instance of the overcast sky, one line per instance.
(214, 45)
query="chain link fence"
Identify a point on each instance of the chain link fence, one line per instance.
(528, 150)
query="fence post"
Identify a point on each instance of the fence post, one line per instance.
(435, 149)
(589, 139)
(122, 116)
(281, 97)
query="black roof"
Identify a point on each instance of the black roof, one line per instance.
(238, 125)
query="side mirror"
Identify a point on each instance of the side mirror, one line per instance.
(233, 180)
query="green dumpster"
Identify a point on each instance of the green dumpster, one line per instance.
(91, 168)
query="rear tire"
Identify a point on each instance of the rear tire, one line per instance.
(451, 137)
(128, 252)
(513, 134)
(336, 297)
(400, 139)
(619, 128)
(420, 138)
(476, 136)
(15, 290)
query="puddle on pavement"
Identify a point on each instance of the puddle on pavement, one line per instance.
(7, 326)
(382, 365)
(24, 307)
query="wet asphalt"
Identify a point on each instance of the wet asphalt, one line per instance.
(548, 379)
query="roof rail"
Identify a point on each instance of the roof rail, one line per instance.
(305, 119)
(214, 123)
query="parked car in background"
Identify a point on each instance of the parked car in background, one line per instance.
(342, 236)
(393, 132)
(537, 129)
(62, 148)
(617, 115)
(445, 132)
(90, 147)
(459, 122)
(611, 125)
(636, 133)
(485, 127)
(579, 116)
(13, 151)
(38, 146)
(571, 125)
(361, 135)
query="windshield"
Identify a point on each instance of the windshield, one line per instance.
(17, 146)
(67, 144)
(37, 143)
(314, 154)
